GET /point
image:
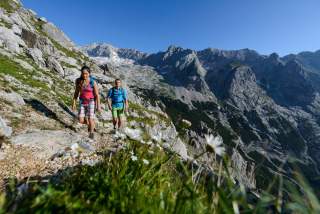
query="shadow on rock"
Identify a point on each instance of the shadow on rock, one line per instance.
(40, 107)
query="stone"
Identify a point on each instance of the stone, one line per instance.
(37, 56)
(5, 130)
(50, 143)
(10, 40)
(71, 73)
(12, 97)
(134, 134)
(53, 64)
(16, 30)
(180, 148)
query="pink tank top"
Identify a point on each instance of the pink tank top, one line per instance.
(86, 94)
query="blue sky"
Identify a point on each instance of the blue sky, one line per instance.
(282, 26)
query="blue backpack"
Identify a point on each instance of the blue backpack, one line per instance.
(92, 79)
(112, 95)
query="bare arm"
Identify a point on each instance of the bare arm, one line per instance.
(126, 103)
(109, 103)
(75, 96)
(97, 96)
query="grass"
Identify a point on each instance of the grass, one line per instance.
(121, 184)
(60, 85)
(9, 5)
(64, 64)
(5, 24)
(141, 110)
(15, 70)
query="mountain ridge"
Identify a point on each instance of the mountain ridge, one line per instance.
(267, 100)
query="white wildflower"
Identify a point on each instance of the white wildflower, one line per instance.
(160, 148)
(186, 122)
(134, 158)
(146, 162)
(215, 144)
(235, 207)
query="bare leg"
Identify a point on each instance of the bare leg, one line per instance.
(91, 125)
(81, 120)
(114, 122)
(119, 122)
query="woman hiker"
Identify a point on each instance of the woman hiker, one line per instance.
(88, 90)
(118, 103)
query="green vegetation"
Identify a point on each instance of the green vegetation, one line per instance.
(141, 110)
(68, 52)
(9, 6)
(15, 70)
(146, 179)
(64, 64)
(5, 24)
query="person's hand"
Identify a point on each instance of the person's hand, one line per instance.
(73, 106)
(98, 108)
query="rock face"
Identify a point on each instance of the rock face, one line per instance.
(107, 51)
(10, 40)
(265, 106)
(57, 35)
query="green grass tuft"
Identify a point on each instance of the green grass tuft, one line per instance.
(120, 184)
(9, 5)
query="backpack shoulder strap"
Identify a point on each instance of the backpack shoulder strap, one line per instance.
(112, 92)
(92, 82)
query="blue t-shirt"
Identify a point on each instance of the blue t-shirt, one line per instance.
(118, 97)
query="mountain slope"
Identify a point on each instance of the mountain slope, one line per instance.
(39, 134)
(264, 106)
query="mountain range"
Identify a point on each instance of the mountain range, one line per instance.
(265, 107)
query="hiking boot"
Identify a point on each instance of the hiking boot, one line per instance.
(114, 131)
(91, 135)
(95, 130)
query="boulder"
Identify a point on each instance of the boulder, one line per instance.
(12, 97)
(4, 17)
(180, 148)
(53, 64)
(16, 30)
(50, 144)
(134, 134)
(5, 131)
(72, 73)
(37, 56)
(10, 40)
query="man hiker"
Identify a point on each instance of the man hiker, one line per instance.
(87, 90)
(117, 103)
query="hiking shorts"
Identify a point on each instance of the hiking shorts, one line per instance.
(87, 110)
(117, 112)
